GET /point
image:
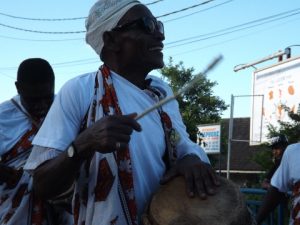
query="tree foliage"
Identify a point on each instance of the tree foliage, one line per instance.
(198, 105)
(264, 158)
(290, 128)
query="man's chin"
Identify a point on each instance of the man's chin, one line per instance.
(158, 64)
(38, 116)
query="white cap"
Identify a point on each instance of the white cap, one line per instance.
(103, 16)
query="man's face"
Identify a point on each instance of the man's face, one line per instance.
(141, 46)
(277, 152)
(36, 98)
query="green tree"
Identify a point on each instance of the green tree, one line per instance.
(198, 105)
(290, 128)
(264, 157)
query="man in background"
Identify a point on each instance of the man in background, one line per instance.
(285, 179)
(278, 145)
(20, 119)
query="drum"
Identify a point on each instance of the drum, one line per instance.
(171, 206)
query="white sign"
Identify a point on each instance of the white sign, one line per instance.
(210, 136)
(279, 86)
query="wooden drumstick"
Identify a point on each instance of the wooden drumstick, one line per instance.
(185, 88)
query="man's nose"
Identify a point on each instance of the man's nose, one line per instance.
(159, 35)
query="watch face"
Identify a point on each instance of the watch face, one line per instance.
(71, 151)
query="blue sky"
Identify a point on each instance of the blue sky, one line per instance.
(242, 31)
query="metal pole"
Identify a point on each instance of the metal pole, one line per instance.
(220, 163)
(220, 150)
(275, 55)
(261, 118)
(230, 136)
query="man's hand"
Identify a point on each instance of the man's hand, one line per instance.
(108, 134)
(199, 176)
(266, 184)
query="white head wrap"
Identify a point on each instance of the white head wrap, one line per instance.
(103, 16)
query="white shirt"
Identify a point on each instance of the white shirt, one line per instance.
(63, 122)
(288, 173)
(13, 124)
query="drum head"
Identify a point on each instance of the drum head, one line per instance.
(171, 206)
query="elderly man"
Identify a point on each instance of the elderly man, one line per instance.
(20, 119)
(91, 136)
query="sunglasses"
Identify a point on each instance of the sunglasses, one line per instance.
(149, 24)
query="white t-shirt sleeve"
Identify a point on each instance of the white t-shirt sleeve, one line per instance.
(184, 146)
(282, 178)
(38, 156)
(63, 121)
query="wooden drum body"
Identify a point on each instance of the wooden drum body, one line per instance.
(171, 206)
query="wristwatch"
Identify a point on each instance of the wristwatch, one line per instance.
(71, 151)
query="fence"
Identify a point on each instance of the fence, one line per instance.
(254, 198)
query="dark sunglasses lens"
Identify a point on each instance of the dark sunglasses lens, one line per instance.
(149, 25)
(160, 27)
(152, 25)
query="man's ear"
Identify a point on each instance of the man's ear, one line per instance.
(111, 41)
(17, 86)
